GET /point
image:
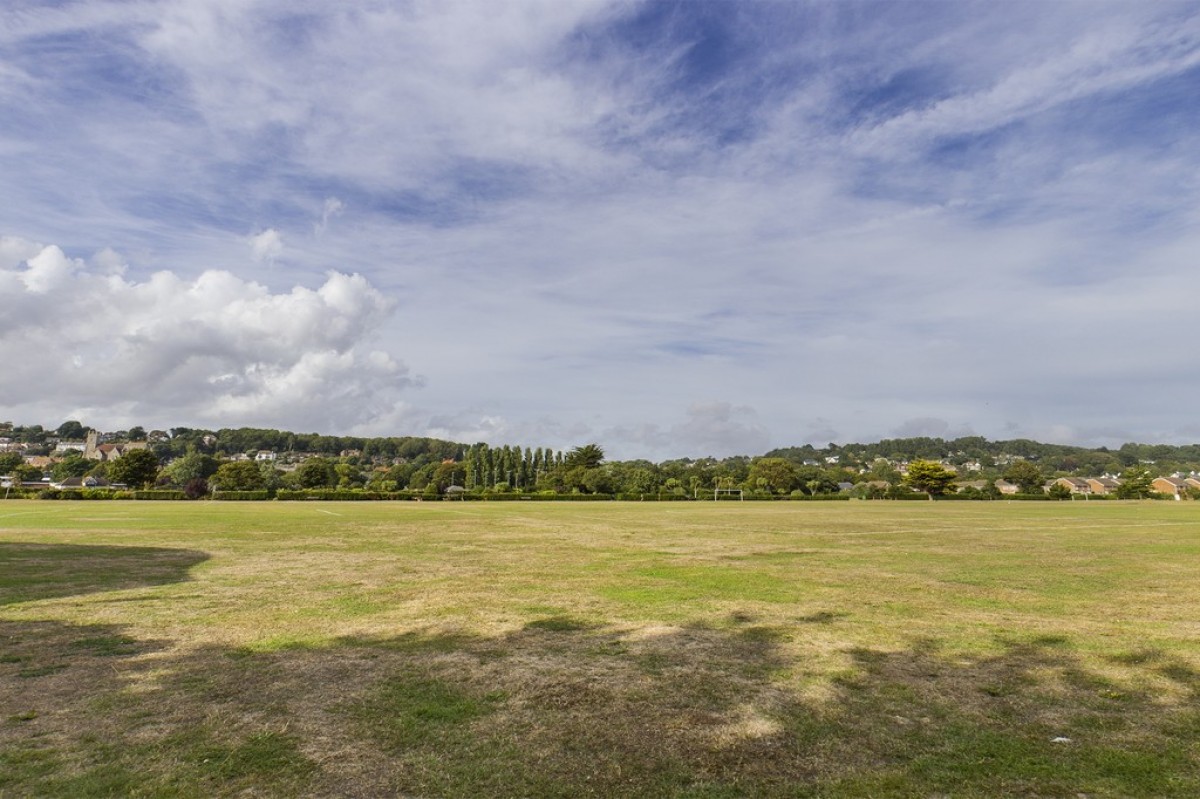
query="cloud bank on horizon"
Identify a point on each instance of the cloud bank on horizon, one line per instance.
(676, 228)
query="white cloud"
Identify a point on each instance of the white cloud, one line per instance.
(13, 251)
(48, 270)
(216, 349)
(109, 261)
(267, 246)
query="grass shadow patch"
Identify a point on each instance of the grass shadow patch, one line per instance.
(1031, 720)
(695, 711)
(31, 572)
(822, 617)
(559, 624)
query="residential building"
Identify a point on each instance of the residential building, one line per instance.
(1171, 486)
(94, 450)
(1102, 486)
(1074, 484)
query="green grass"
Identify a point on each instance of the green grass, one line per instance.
(617, 649)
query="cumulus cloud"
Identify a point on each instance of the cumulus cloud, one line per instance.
(109, 261)
(267, 246)
(168, 349)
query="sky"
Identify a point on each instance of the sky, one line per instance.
(677, 229)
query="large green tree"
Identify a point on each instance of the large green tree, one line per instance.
(1025, 474)
(1135, 483)
(26, 473)
(777, 475)
(930, 477)
(136, 468)
(349, 475)
(73, 465)
(239, 476)
(317, 473)
(71, 431)
(194, 465)
(815, 480)
(589, 456)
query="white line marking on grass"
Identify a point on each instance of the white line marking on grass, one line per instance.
(31, 512)
(331, 513)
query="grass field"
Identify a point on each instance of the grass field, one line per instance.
(616, 649)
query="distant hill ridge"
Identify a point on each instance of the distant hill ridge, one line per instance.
(971, 452)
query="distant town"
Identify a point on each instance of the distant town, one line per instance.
(73, 460)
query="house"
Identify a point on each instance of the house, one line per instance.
(1074, 484)
(1102, 486)
(1171, 486)
(94, 450)
(978, 485)
(1192, 482)
(1006, 487)
(265, 456)
(111, 452)
(70, 446)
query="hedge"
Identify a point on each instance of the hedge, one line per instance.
(244, 496)
(86, 493)
(753, 497)
(654, 497)
(160, 493)
(331, 494)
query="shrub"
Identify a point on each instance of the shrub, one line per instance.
(195, 488)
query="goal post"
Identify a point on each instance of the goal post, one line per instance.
(717, 492)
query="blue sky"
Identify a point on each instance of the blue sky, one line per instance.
(683, 228)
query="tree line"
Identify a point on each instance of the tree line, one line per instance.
(204, 459)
